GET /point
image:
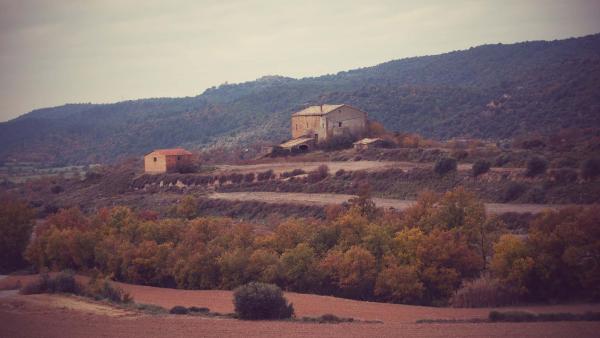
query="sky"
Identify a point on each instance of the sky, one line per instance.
(54, 52)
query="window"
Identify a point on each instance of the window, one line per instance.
(339, 124)
(155, 159)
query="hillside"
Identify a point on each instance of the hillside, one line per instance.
(491, 91)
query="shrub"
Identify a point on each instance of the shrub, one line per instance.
(482, 292)
(292, 173)
(186, 168)
(444, 165)
(249, 177)
(522, 316)
(513, 191)
(536, 166)
(40, 285)
(460, 154)
(261, 301)
(501, 160)
(236, 178)
(319, 174)
(563, 176)
(265, 175)
(196, 309)
(481, 167)
(340, 173)
(327, 318)
(64, 282)
(511, 316)
(103, 289)
(590, 168)
(179, 310)
(56, 189)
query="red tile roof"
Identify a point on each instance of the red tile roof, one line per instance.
(172, 152)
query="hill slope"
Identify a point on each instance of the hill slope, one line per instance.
(491, 91)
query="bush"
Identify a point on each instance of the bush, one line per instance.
(536, 166)
(103, 289)
(444, 165)
(292, 173)
(482, 292)
(265, 175)
(249, 177)
(511, 316)
(196, 309)
(563, 176)
(64, 282)
(460, 154)
(179, 310)
(590, 168)
(319, 174)
(522, 316)
(261, 301)
(481, 167)
(501, 160)
(186, 168)
(56, 189)
(513, 191)
(236, 178)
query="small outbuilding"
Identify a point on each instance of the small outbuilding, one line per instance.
(167, 160)
(367, 143)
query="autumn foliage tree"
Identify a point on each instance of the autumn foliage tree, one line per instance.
(16, 223)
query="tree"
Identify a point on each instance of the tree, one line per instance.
(480, 167)
(399, 283)
(299, 268)
(16, 223)
(590, 168)
(536, 166)
(364, 203)
(512, 264)
(261, 301)
(188, 208)
(353, 271)
(444, 165)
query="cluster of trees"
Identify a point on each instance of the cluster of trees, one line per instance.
(422, 256)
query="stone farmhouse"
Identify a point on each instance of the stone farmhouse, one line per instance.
(166, 160)
(317, 124)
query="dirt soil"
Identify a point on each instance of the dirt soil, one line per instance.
(324, 199)
(36, 316)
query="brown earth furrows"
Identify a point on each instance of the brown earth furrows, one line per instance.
(324, 199)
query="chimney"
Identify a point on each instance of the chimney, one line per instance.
(321, 107)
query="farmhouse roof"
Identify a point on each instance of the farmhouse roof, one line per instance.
(367, 140)
(296, 142)
(172, 152)
(318, 110)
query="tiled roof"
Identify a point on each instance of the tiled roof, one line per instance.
(172, 152)
(367, 140)
(317, 110)
(296, 142)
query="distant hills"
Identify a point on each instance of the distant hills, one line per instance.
(491, 91)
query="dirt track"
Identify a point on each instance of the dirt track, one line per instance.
(324, 199)
(26, 316)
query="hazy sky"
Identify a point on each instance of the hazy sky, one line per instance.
(61, 51)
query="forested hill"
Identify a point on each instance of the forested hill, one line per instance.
(490, 91)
